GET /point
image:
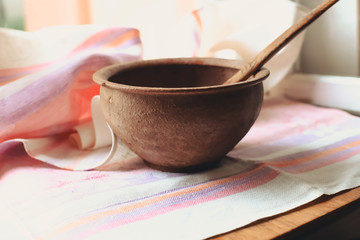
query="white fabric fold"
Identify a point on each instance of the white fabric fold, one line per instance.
(94, 134)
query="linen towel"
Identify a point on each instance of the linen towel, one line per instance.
(46, 88)
(294, 153)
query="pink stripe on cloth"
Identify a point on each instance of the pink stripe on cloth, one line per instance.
(112, 37)
(197, 30)
(94, 43)
(173, 204)
(322, 161)
(9, 75)
(300, 124)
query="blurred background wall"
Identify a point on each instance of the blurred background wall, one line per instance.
(331, 44)
(12, 14)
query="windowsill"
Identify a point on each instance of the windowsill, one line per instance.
(324, 90)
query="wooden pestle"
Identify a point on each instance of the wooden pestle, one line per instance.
(267, 53)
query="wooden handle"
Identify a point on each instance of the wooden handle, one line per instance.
(266, 54)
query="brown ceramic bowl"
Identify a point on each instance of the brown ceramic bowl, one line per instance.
(175, 114)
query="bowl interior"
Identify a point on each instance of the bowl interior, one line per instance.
(173, 75)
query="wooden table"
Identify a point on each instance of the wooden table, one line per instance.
(329, 217)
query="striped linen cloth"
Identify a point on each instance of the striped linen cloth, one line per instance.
(294, 153)
(46, 89)
(46, 76)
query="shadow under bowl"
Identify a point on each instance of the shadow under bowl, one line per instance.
(175, 114)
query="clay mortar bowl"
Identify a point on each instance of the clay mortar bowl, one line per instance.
(175, 114)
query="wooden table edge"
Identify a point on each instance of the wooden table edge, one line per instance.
(303, 218)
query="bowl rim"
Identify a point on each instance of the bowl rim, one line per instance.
(102, 75)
